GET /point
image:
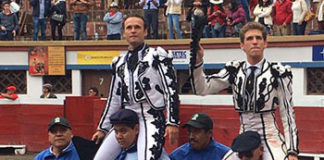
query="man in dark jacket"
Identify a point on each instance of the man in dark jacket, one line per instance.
(47, 91)
(8, 23)
(41, 10)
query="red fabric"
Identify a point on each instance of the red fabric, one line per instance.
(13, 96)
(11, 88)
(253, 3)
(112, 13)
(220, 17)
(283, 13)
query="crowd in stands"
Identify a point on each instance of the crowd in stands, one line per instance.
(224, 17)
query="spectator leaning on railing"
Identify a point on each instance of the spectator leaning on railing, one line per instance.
(114, 20)
(10, 93)
(47, 91)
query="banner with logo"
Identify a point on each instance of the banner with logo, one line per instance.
(96, 57)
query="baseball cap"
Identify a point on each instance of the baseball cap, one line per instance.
(113, 5)
(11, 88)
(124, 116)
(216, 1)
(60, 121)
(246, 141)
(200, 120)
(48, 86)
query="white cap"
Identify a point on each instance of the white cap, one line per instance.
(216, 1)
(113, 4)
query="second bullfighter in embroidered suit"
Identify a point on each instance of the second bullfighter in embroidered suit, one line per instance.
(271, 89)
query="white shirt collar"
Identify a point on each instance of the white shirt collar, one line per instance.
(258, 65)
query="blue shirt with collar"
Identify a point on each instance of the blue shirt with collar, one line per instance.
(214, 151)
(131, 154)
(69, 153)
(150, 2)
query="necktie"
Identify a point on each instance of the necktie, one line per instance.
(149, 5)
(250, 80)
(124, 152)
(122, 155)
(132, 60)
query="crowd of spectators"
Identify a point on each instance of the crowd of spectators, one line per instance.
(224, 17)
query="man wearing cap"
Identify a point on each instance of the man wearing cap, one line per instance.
(47, 91)
(60, 137)
(259, 87)
(201, 143)
(126, 127)
(246, 146)
(10, 93)
(114, 20)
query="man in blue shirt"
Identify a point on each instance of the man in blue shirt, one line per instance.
(151, 15)
(114, 20)
(201, 143)
(60, 138)
(126, 127)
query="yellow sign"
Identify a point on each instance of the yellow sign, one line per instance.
(96, 57)
(56, 61)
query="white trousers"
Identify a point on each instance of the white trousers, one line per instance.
(150, 140)
(271, 138)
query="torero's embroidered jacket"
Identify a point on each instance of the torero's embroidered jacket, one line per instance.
(153, 82)
(272, 88)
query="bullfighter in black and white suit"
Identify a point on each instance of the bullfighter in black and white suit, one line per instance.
(259, 88)
(143, 81)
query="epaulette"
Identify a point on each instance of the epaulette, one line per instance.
(234, 63)
(162, 53)
(115, 59)
(281, 70)
(162, 56)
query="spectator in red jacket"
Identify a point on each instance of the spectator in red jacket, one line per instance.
(282, 17)
(216, 17)
(10, 93)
